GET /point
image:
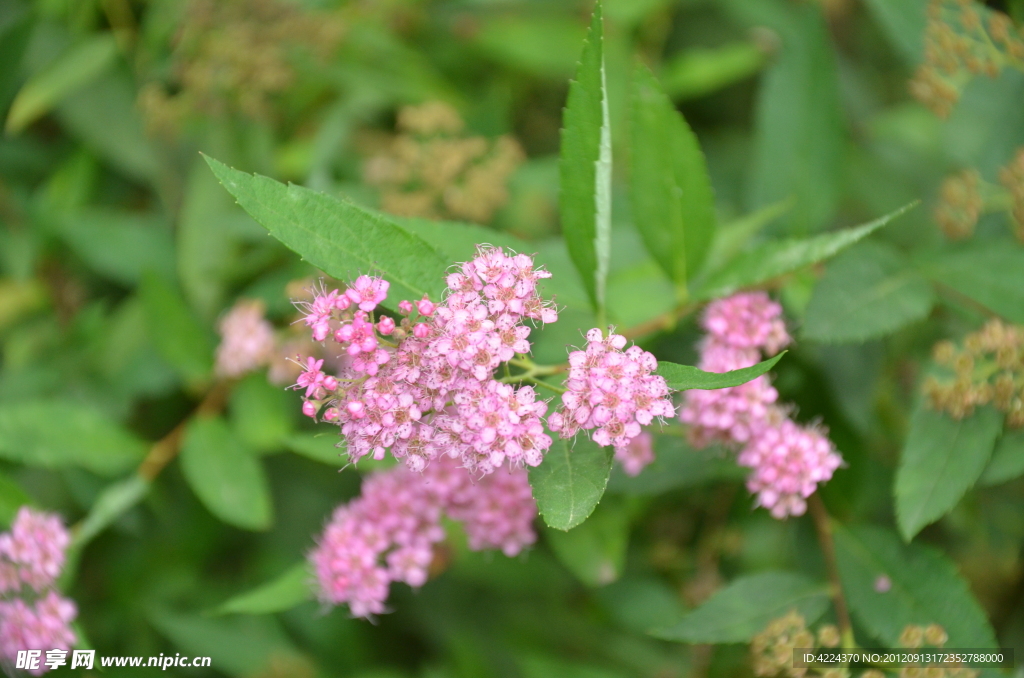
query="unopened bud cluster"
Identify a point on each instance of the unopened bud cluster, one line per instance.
(914, 637)
(1012, 178)
(234, 56)
(390, 532)
(963, 39)
(787, 460)
(33, 615)
(772, 649)
(959, 205)
(431, 169)
(987, 370)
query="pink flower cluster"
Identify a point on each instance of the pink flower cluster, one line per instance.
(788, 460)
(33, 616)
(247, 339)
(424, 387)
(388, 533)
(612, 392)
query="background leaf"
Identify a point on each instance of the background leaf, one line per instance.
(291, 588)
(684, 377)
(867, 292)
(225, 476)
(677, 465)
(71, 71)
(941, 459)
(585, 167)
(1007, 460)
(261, 414)
(924, 588)
(570, 481)
(322, 447)
(12, 497)
(701, 70)
(59, 433)
(742, 609)
(336, 236)
(178, 335)
(670, 190)
(800, 134)
(990, 273)
(596, 550)
(776, 258)
(111, 504)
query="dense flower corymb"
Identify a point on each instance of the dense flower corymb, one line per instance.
(389, 532)
(33, 616)
(424, 386)
(788, 461)
(612, 392)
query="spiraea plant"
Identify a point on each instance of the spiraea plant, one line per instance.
(283, 342)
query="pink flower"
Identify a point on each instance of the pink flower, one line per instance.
(367, 292)
(312, 379)
(32, 555)
(611, 391)
(35, 546)
(435, 393)
(746, 320)
(389, 532)
(788, 462)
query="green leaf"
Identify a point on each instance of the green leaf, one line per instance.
(226, 477)
(585, 167)
(283, 593)
(70, 72)
(868, 292)
(673, 206)
(178, 336)
(941, 460)
(322, 447)
(58, 433)
(596, 550)
(779, 257)
(111, 504)
(699, 70)
(684, 377)
(12, 497)
(1007, 460)
(120, 245)
(924, 588)
(800, 135)
(261, 413)
(570, 481)
(990, 273)
(741, 610)
(336, 236)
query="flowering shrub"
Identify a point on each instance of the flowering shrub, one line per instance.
(465, 371)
